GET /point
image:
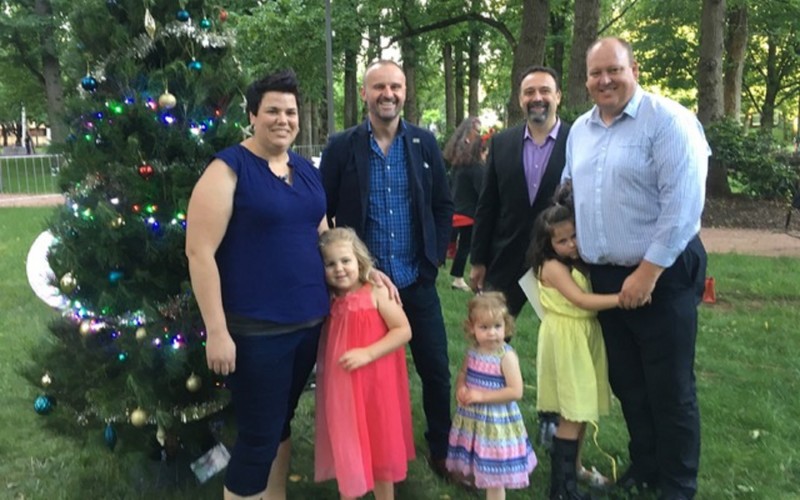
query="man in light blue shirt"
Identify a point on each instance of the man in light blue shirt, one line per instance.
(638, 164)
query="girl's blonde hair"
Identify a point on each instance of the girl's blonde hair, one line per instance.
(492, 304)
(346, 234)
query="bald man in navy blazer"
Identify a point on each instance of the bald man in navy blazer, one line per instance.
(386, 179)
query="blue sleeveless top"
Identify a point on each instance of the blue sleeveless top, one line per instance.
(269, 262)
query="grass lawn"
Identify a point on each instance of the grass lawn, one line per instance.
(748, 375)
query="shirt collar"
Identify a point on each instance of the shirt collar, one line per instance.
(401, 128)
(631, 109)
(553, 131)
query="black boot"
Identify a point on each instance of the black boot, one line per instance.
(563, 477)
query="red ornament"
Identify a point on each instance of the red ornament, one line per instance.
(146, 171)
(223, 15)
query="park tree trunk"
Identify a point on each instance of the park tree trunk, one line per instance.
(474, 73)
(304, 137)
(710, 106)
(51, 72)
(449, 91)
(529, 50)
(459, 82)
(351, 98)
(773, 86)
(558, 32)
(584, 33)
(735, 51)
(409, 54)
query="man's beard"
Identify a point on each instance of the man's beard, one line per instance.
(538, 116)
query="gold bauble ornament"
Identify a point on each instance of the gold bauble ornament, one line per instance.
(86, 327)
(138, 417)
(141, 333)
(161, 435)
(68, 283)
(46, 380)
(167, 100)
(193, 383)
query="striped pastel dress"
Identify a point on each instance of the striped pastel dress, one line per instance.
(488, 442)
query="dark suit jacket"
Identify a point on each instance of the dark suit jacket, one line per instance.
(346, 176)
(504, 217)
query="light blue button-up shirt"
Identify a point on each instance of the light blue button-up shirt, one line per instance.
(639, 183)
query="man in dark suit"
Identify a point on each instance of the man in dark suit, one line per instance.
(386, 179)
(523, 170)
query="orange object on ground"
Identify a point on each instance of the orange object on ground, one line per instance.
(710, 295)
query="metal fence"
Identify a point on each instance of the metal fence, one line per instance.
(30, 174)
(38, 174)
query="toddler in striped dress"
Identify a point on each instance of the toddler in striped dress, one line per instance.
(488, 443)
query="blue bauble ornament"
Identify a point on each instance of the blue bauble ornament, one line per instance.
(89, 83)
(43, 404)
(110, 436)
(195, 65)
(182, 15)
(205, 23)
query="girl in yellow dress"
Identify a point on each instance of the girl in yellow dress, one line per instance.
(572, 371)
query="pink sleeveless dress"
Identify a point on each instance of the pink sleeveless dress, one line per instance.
(363, 417)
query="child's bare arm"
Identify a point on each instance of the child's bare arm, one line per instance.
(557, 275)
(511, 392)
(398, 335)
(461, 382)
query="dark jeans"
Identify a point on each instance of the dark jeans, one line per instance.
(429, 349)
(271, 372)
(462, 251)
(651, 369)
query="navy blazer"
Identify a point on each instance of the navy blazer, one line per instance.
(346, 177)
(504, 216)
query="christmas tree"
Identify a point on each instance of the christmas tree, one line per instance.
(161, 93)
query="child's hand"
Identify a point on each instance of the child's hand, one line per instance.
(461, 393)
(471, 396)
(355, 358)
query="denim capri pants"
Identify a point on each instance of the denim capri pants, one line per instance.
(271, 373)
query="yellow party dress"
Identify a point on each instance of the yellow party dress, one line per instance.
(571, 363)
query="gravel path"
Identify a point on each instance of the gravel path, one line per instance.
(716, 240)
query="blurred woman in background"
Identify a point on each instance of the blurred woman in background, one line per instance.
(463, 154)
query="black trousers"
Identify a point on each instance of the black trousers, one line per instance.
(462, 251)
(651, 369)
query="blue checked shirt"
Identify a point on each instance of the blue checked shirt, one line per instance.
(389, 229)
(639, 183)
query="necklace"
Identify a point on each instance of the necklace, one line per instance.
(285, 178)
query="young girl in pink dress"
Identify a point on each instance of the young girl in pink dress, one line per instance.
(363, 412)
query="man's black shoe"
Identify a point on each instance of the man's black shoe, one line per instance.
(630, 483)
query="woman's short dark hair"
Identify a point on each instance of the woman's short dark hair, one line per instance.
(284, 81)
